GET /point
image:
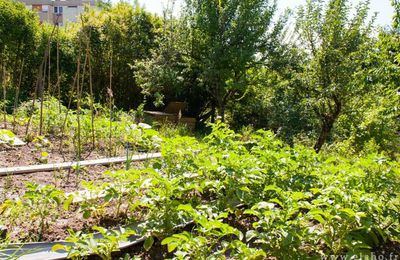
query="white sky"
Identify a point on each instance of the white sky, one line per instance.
(383, 7)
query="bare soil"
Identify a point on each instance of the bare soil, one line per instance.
(13, 186)
(67, 180)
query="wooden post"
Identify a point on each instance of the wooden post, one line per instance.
(3, 78)
(16, 101)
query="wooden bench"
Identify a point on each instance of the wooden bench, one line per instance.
(173, 114)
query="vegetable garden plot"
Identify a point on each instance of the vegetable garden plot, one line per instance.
(45, 199)
(291, 200)
(40, 202)
(230, 60)
(59, 249)
(91, 170)
(58, 150)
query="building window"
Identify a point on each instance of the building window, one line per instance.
(45, 8)
(58, 9)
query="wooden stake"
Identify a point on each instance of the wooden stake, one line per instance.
(91, 91)
(41, 92)
(110, 95)
(67, 110)
(58, 87)
(16, 101)
(78, 110)
(4, 95)
(40, 79)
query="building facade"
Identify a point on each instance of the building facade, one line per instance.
(58, 12)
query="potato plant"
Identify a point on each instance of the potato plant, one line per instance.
(293, 202)
(301, 204)
(253, 197)
(39, 206)
(83, 245)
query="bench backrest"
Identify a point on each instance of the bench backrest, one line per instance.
(175, 107)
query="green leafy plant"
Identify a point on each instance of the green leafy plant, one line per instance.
(40, 205)
(89, 203)
(210, 238)
(6, 136)
(246, 197)
(84, 245)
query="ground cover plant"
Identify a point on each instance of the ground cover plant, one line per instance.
(247, 197)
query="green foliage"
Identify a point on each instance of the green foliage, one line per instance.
(121, 35)
(336, 45)
(205, 240)
(396, 17)
(89, 205)
(18, 42)
(168, 74)
(204, 55)
(225, 37)
(304, 204)
(84, 245)
(245, 196)
(42, 202)
(39, 205)
(141, 137)
(323, 81)
(371, 122)
(6, 136)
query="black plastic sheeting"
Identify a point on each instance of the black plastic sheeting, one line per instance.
(43, 250)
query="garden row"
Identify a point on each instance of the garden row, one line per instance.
(249, 196)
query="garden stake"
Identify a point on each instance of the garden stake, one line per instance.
(58, 87)
(16, 101)
(39, 79)
(110, 95)
(3, 78)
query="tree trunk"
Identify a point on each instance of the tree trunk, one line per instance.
(326, 128)
(221, 111)
(328, 120)
(213, 112)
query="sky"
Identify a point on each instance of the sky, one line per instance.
(383, 7)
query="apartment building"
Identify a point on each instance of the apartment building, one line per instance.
(58, 11)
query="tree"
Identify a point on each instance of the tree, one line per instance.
(19, 29)
(169, 74)
(120, 36)
(336, 44)
(396, 17)
(378, 118)
(225, 38)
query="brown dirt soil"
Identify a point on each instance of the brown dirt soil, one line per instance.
(157, 251)
(389, 250)
(67, 180)
(58, 228)
(13, 186)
